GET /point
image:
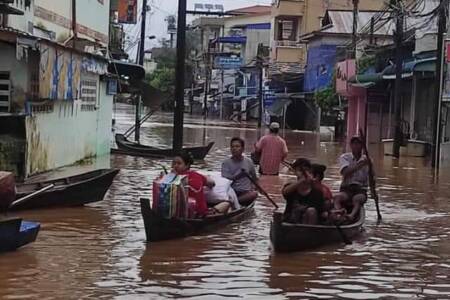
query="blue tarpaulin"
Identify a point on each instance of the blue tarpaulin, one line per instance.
(319, 67)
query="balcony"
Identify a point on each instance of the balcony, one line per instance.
(116, 41)
(287, 51)
(288, 44)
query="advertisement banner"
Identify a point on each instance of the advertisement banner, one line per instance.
(127, 11)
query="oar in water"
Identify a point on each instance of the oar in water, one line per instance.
(344, 238)
(372, 182)
(30, 196)
(256, 184)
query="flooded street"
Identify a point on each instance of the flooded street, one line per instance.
(99, 251)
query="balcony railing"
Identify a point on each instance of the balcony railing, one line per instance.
(288, 44)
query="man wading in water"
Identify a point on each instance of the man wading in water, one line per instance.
(273, 151)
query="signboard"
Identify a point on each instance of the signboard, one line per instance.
(127, 10)
(111, 87)
(269, 99)
(223, 62)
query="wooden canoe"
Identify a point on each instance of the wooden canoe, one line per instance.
(69, 191)
(158, 228)
(15, 233)
(287, 237)
(134, 149)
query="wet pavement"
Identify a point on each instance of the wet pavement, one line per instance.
(98, 251)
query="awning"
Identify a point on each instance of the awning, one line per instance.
(418, 65)
(276, 109)
(126, 69)
(366, 80)
(231, 40)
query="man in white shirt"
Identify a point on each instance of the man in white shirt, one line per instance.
(355, 173)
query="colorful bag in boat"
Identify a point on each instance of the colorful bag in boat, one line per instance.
(170, 196)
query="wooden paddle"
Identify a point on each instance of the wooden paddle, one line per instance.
(30, 196)
(372, 182)
(259, 188)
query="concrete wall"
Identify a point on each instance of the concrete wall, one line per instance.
(254, 38)
(92, 18)
(315, 10)
(104, 120)
(67, 134)
(290, 54)
(290, 8)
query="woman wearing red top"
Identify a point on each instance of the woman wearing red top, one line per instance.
(181, 166)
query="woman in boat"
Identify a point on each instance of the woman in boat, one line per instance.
(181, 166)
(305, 202)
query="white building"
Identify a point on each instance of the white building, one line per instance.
(55, 108)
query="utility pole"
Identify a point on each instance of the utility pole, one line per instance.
(207, 80)
(140, 60)
(179, 78)
(398, 136)
(355, 27)
(437, 134)
(222, 79)
(259, 64)
(74, 22)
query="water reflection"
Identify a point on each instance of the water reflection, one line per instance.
(99, 251)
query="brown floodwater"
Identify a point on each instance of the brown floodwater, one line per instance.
(99, 251)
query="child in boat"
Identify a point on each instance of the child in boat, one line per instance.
(318, 172)
(181, 166)
(305, 202)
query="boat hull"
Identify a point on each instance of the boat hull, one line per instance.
(287, 237)
(135, 149)
(71, 191)
(16, 233)
(158, 228)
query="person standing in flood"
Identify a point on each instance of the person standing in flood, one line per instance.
(272, 149)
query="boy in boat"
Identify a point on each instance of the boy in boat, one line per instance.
(355, 172)
(318, 173)
(233, 169)
(305, 202)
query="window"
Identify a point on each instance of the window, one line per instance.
(5, 91)
(287, 29)
(89, 87)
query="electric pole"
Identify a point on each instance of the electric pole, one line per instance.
(259, 65)
(140, 61)
(398, 136)
(178, 117)
(437, 134)
(355, 27)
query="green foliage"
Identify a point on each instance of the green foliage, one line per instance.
(163, 78)
(365, 63)
(326, 99)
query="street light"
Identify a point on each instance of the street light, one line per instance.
(151, 37)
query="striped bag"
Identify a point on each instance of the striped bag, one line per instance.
(170, 196)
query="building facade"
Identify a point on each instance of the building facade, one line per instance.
(55, 100)
(294, 18)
